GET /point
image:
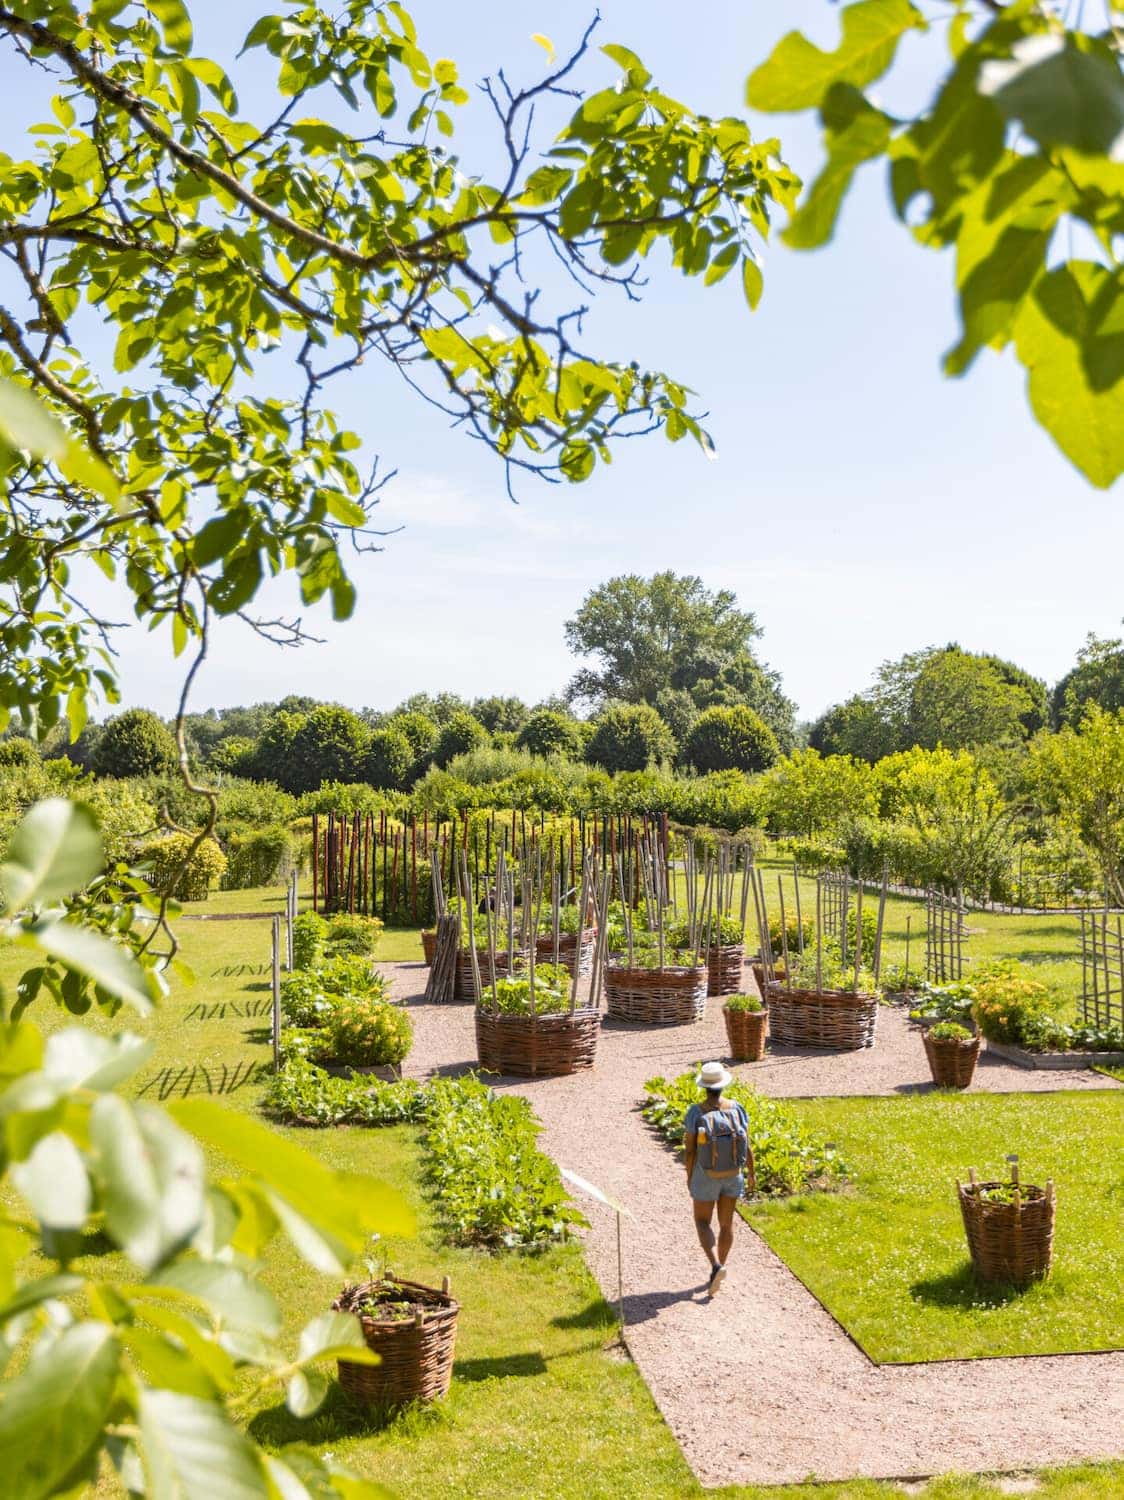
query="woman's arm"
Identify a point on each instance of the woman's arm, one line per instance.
(691, 1139)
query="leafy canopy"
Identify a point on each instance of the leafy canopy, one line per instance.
(1023, 139)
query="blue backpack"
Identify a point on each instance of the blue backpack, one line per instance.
(724, 1148)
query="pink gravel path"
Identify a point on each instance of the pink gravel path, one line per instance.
(797, 1398)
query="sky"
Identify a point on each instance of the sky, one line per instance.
(860, 504)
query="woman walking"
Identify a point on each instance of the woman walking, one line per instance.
(716, 1143)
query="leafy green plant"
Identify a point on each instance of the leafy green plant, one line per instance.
(792, 933)
(945, 1002)
(743, 1002)
(369, 1032)
(258, 856)
(310, 936)
(950, 1031)
(788, 1156)
(302, 1093)
(355, 935)
(716, 931)
(826, 967)
(900, 980)
(174, 866)
(308, 996)
(513, 995)
(1010, 1006)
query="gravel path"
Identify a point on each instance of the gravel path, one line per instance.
(792, 1397)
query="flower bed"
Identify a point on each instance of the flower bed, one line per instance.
(339, 1016)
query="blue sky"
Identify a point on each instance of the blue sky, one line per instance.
(860, 504)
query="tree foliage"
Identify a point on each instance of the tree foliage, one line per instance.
(459, 734)
(730, 739)
(629, 737)
(1020, 141)
(548, 732)
(1098, 677)
(1078, 775)
(330, 744)
(135, 743)
(389, 759)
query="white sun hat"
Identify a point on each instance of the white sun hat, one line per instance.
(713, 1075)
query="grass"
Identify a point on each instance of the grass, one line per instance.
(889, 1260)
(543, 1403)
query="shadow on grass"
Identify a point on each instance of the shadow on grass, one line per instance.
(961, 1289)
(339, 1417)
(596, 1314)
(501, 1367)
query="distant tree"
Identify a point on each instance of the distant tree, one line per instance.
(418, 729)
(389, 759)
(439, 707)
(459, 734)
(549, 733)
(1097, 678)
(1079, 777)
(235, 756)
(730, 739)
(746, 680)
(678, 710)
(629, 737)
(953, 804)
(135, 743)
(809, 793)
(273, 757)
(959, 700)
(17, 751)
(329, 745)
(1037, 716)
(500, 715)
(855, 728)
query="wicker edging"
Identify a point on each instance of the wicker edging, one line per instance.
(745, 1032)
(671, 996)
(547, 1046)
(567, 945)
(415, 1357)
(724, 969)
(1009, 1242)
(466, 982)
(952, 1060)
(837, 1020)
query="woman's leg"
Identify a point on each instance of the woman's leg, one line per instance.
(704, 1213)
(726, 1206)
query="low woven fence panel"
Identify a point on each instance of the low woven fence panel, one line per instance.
(836, 1020)
(537, 1046)
(656, 997)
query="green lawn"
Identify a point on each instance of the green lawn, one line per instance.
(544, 1403)
(888, 1257)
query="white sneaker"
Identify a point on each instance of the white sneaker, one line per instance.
(716, 1280)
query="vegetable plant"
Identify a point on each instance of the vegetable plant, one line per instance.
(743, 1002)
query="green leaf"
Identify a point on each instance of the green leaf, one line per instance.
(173, 17)
(55, 851)
(1062, 94)
(855, 133)
(21, 1050)
(305, 1392)
(191, 1451)
(235, 1299)
(753, 283)
(26, 423)
(53, 1412)
(45, 1289)
(344, 1210)
(218, 537)
(1070, 337)
(151, 1177)
(53, 1180)
(797, 75)
(112, 969)
(77, 1058)
(304, 1475)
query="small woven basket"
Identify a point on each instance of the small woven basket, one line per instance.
(671, 996)
(415, 1355)
(952, 1060)
(837, 1020)
(567, 947)
(1009, 1242)
(548, 1046)
(745, 1032)
(724, 969)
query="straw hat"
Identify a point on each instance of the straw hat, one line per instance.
(713, 1075)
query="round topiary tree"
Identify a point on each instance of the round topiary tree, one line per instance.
(389, 758)
(135, 743)
(731, 739)
(461, 734)
(330, 744)
(548, 732)
(18, 752)
(629, 737)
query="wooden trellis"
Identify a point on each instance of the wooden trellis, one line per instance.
(834, 904)
(1102, 968)
(944, 935)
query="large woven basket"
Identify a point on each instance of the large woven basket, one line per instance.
(745, 1032)
(567, 947)
(671, 996)
(466, 983)
(838, 1020)
(1009, 1242)
(415, 1356)
(537, 1046)
(758, 972)
(952, 1062)
(429, 945)
(724, 969)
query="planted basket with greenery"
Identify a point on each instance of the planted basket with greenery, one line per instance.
(1010, 1228)
(413, 1330)
(746, 1024)
(952, 1051)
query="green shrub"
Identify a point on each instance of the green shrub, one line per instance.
(310, 937)
(125, 815)
(548, 732)
(260, 804)
(724, 932)
(308, 996)
(459, 735)
(743, 1002)
(368, 1031)
(629, 737)
(950, 1031)
(827, 967)
(899, 980)
(1009, 1006)
(513, 996)
(389, 759)
(261, 856)
(788, 1156)
(169, 868)
(791, 935)
(353, 934)
(135, 743)
(731, 739)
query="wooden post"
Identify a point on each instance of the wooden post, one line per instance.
(315, 856)
(275, 1027)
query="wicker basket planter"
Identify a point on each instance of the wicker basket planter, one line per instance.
(1009, 1242)
(567, 947)
(952, 1062)
(547, 1046)
(429, 945)
(724, 969)
(671, 996)
(745, 1032)
(758, 972)
(466, 983)
(415, 1354)
(838, 1020)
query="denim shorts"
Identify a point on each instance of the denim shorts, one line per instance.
(706, 1189)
